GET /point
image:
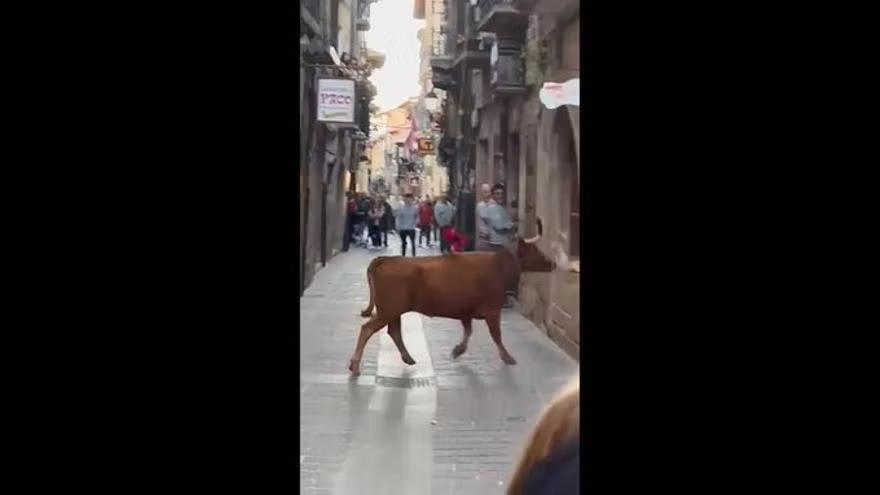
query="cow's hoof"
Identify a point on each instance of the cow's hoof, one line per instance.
(354, 367)
(366, 314)
(458, 351)
(508, 359)
(409, 360)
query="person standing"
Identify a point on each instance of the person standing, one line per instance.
(496, 220)
(444, 213)
(482, 230)
(500, 227)
(387, 221)
(377, 212)
(426, 219)
(363, 215)
(358, 219)
(407, 217)
(350, 212)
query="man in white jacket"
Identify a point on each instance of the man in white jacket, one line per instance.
(482, 230)
(500, 228)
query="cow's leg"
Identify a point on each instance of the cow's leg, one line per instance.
(394, 331)
(369, 311)
(462, 346)
(493, 320)
(367, 331)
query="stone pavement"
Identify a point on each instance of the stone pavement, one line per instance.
(439, 427)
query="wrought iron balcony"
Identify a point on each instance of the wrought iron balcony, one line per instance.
(312, 17)
(470, 51)
(441, 68)
(508, 71)
(501, 16)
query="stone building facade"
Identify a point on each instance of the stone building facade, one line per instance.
(498, 131)
(331, 45)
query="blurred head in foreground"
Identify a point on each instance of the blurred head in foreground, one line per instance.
(551, 458)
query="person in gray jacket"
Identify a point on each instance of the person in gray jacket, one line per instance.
(444, 213)
(406, 218)
(500, 228)
(496, 220)
(482, 231)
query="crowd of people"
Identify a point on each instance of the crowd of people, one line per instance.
(372, 217)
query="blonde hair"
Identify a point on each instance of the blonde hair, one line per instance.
(559, 422)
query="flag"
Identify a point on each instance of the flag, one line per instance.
(411, 140)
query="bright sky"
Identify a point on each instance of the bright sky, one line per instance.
(393, 32)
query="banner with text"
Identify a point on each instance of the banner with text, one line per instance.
(336, 100)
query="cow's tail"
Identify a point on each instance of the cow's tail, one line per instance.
(370, 274)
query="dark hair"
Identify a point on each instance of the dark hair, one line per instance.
(497, 187)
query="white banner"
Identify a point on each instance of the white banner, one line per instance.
(554, 95)
(336, 100)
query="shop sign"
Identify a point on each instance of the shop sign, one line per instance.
(336, 100)
(426, 146)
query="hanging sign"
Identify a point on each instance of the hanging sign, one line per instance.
(426, 146)
(336, 100)
(554, 95)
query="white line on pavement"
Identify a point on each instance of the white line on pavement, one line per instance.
(391, 451)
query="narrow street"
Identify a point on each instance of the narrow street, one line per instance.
(438, 427)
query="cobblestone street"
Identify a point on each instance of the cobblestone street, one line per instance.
(440, 427)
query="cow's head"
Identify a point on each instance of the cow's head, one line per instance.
(530, 258)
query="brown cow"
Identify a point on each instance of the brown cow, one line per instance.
(463, 286)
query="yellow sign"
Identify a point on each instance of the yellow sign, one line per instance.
(426, 146)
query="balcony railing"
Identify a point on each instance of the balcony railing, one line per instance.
(312, 15)
(500, 15)
(441, 77)
(313, 7)
(508, 72)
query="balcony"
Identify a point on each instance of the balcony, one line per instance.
(501, 16)
(310, 13)
(441, 68)
(446, 150)
(376, 59)
(470, 53)
(363, 24)
(508, 72)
